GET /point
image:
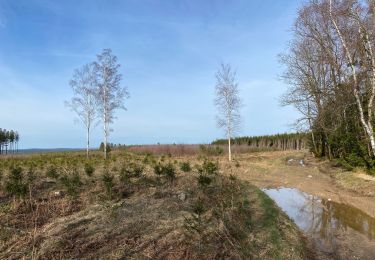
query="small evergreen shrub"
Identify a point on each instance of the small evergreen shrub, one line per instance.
(210, 168)
(169, 172)
(198, 208)
(16, 185)
(194, 224)
(206, 173)
(131, 170)
(204, 180)
(148, 158)
(108, 181)
(158, 169)
(89, 169)
(124, 177)
(52, 172)
(135, 170)
(185, 167)
(71, 184)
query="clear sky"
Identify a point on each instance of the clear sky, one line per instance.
(169, 51)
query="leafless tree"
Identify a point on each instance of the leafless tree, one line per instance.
(331, 75)
(228, 103)
(110, 94)
(83, 102)
(354, 27)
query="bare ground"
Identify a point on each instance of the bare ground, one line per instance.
(316, 177)
(320, 178)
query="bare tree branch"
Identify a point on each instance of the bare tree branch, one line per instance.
(228, 102)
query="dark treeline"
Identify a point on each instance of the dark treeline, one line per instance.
(331, 76)
(293, 141)
(8, 141)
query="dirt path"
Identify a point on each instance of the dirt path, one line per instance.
(319, 178)
(298, 170)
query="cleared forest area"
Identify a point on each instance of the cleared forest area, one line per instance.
(308, 193)
(63, 205)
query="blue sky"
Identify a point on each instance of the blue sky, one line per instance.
(169, 52)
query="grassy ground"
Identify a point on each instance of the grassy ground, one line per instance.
(138, 207)
(357, 180)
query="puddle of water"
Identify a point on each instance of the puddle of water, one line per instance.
(333, 226)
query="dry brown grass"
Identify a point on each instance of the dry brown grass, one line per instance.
(146, 218)
(356, 181)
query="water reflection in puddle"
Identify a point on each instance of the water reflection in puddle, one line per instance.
(332, 225)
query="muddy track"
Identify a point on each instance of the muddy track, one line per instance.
(318, 178)
(272, 170)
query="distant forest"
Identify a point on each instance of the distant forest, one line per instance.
(8, 141)
(293, 141)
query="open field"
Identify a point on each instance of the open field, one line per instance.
(138, 207)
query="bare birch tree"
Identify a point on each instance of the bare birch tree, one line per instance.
(331, 77)
(228, 103)
(84, 101)
(110, 94)
(356, 24)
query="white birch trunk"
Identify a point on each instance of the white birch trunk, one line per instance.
(229, 137)
(366, 125)
(105, 122)
(105, 138)
(229, 150)
(88, 142)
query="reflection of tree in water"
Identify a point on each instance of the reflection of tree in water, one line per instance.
(318, 221)
(329, 227)
(311, 212)
(344, 216)
(325, 219)
(323, 215)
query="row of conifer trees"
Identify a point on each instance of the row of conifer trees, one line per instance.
(292, 141)
(8, 141)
